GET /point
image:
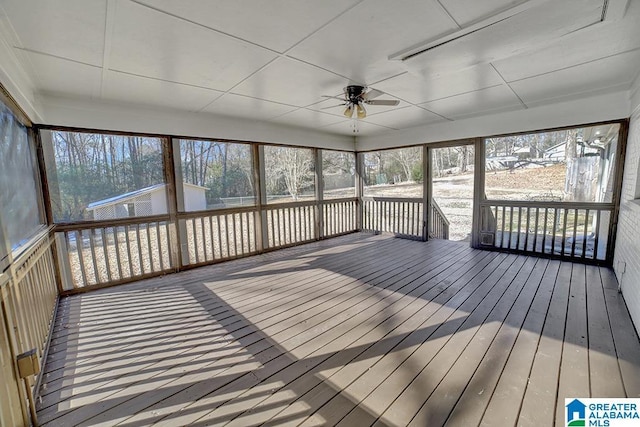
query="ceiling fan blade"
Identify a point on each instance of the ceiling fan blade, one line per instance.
(373, 93)
(333, 106)
(391, 102)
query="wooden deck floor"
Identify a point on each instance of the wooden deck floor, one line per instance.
(355, 331)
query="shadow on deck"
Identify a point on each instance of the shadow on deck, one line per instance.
(358, 330)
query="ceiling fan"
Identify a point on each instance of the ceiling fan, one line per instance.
(356, 96)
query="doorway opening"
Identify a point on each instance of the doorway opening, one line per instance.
(452, 183)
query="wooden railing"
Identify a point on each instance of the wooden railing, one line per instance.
(290, 223)
(401, 216)
(560, 229)
(339, 217)
(439, 224)
(28, 300)
(217, 236)
(116, 251)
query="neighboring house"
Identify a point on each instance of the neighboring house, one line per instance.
(557, 152)
(523, 153)
(146, 201)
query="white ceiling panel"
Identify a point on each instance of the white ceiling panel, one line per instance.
(608, 72)
(275, 59)
(309, 118)
(418, 89)
(55, 75)
(244, 106)
(520, 33)
(467, 12)
(145, 91)
(404, 118)
(291, 82)
(276, 24)
(150, 43)
(602, 40)
(497, 98)
(72, 29)
(358, 43)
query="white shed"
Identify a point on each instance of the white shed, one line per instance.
(146, 201)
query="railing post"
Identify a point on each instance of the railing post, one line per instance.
(359, 190)
(478, 192)
(173, 176)
(260, 214)
(426, 192)
(319, 208)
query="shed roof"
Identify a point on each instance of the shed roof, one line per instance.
(132, 195)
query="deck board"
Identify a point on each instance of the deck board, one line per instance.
(356, 330)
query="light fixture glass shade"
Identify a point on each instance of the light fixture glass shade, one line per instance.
(362, 113)
(348, 112)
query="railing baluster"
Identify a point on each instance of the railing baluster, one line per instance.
(241, 220)
(596, 235)
(219, 227)
(116, 245)
(226, 245)
(204, 239)
(281, 234)
(510, 228)
(564, 231)
(212, 245)
(79, 244)
(584, 235)
(535, 236)
(526, 230)
(575, 230)
(555, 222)
(234, 233)
(139, 247)
(504, 210)
(544, 231)
(149, 253)
(106, 254)
(519, 227)
(159, 244)
(94, 262)
(194, 238)
(129, 254)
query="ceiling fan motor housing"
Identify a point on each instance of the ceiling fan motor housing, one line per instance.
(354, 93)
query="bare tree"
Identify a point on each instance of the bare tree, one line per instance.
(407, 159)
(289, 169)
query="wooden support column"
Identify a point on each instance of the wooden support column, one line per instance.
(359, 190)
(44, 150)
(175, 203)
(319, 206)
(427, 190)
(260, 189)
(478, 191)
